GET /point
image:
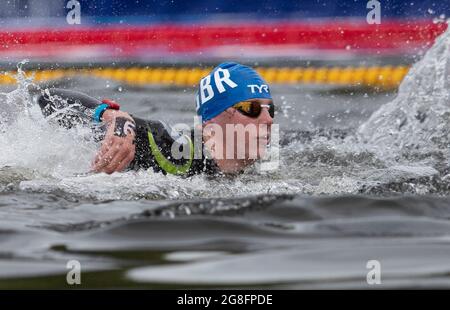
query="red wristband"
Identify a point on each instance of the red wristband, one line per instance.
(111, 104)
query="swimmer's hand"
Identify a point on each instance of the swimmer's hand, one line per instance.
(118, 148)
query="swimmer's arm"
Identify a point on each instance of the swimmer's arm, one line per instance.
(118, 147)
(68, 107)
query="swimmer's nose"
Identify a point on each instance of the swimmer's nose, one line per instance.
(264, 117)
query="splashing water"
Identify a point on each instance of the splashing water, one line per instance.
(31, 142)
(418, 120)
(43, 157)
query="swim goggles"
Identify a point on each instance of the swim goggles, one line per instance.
(254, 109)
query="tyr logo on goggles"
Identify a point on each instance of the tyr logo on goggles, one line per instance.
(254, 109)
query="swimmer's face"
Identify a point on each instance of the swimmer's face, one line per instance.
(247, 135)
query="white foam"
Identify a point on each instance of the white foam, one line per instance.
(418, 118)
(31, 142)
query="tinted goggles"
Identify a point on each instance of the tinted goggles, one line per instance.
(254, 109)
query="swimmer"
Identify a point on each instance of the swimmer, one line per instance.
(231, 97)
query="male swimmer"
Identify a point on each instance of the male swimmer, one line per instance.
(236, 111)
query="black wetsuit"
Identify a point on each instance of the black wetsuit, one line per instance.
(154, 139)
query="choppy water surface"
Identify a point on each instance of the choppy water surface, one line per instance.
(352, 186)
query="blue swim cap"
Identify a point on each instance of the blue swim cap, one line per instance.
(228, 84)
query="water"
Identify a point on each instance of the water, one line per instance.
(352, 186)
